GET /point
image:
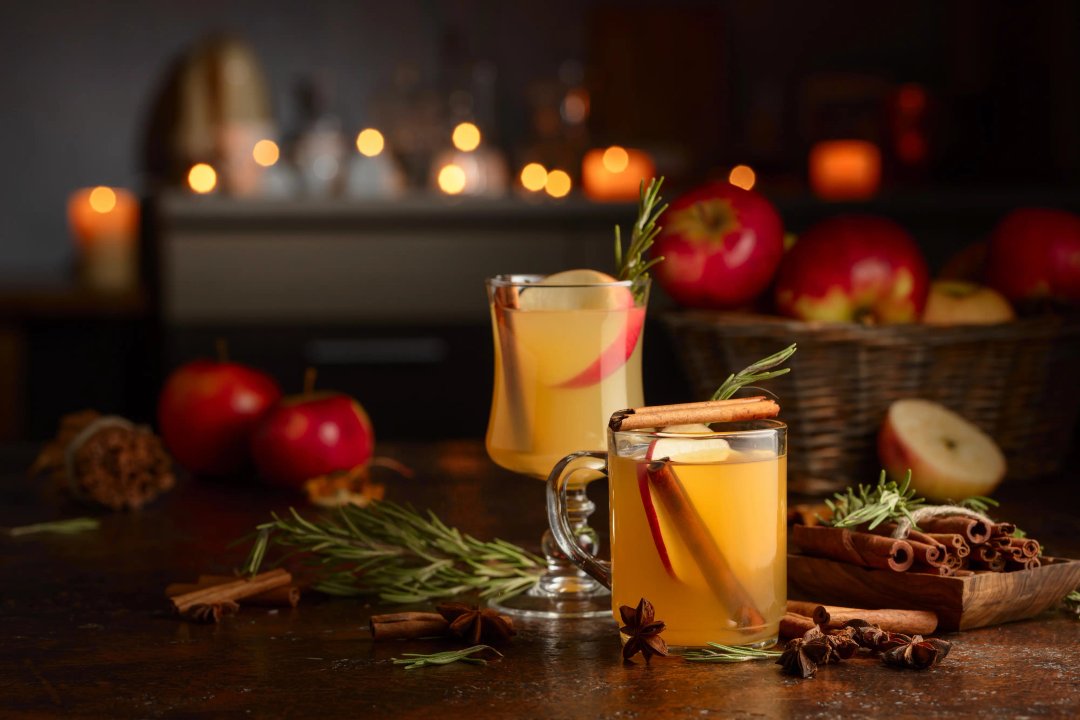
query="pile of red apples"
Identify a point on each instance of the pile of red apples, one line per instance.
(220, 418)
(725, 249)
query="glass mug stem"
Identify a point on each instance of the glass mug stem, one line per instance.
(568, 510)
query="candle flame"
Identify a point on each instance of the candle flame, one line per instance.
(466, 137)
(370, 142)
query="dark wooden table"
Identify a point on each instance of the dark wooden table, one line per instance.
(84, 632)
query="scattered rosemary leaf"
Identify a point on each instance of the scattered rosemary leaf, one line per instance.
(717, 653)
(411, 661)
(59, 527)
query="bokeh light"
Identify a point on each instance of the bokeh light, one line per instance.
(266, 153)
(533, 177)
(202, 178)
(742, 176)
(451, 179)
(558, 184)
(466, 137)
(102, 199)
(370, 142)
(616, 159)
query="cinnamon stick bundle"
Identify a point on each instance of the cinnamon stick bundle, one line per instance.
(909, 622)
(231, 591)
(408, 626)
(703, 548)
(711, 411)
(857, 548)
(973, 530)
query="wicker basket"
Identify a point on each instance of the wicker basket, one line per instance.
(1017, 381)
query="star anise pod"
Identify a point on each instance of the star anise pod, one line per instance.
(212, 613)
(642, 630)
(816, 647)
(843, 643)
(474, 624)
(874, 638)
(795, 660)
(919, 653)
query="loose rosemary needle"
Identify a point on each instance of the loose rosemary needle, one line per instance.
(411, 661)
(57, 527)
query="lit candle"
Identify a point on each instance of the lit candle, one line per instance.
(845, 169)
(615, 173)
(105, 223)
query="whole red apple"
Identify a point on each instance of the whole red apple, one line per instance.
(854, 268)
(312, 434)
(721, 246)
(1034, 254)
(207, 413)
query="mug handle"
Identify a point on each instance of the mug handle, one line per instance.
(559, 515)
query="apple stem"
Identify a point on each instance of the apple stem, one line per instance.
(221, 346)
(309, 380)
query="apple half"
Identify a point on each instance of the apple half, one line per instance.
(679, 450)
(949, 458)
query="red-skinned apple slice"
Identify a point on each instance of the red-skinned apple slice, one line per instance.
(615, 354)
(678, 450)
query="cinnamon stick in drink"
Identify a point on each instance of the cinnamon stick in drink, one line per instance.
(712, 411)
(973, 530)
(691, 528)
(408, 626)
(909, 622)
(857, 548)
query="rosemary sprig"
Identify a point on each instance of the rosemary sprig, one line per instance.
(411, 661)
(59, 527)
(631, 264)
(1072, 602)
(395, 552)
(757, 372)
(729, 654)
(887, 501)
(978, 503)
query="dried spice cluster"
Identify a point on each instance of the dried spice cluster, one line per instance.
(802, 656)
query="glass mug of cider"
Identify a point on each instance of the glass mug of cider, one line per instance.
(698, 527)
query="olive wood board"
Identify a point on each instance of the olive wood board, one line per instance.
(961, 603)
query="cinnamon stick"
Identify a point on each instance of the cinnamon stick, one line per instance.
(712, 411)
(927, 554)
(232, 591)
(909, 622)
(283, 596)
(940, 570)
(408, 625)
(858, 548)
(793, 625)
(973, 530)
(1002, 529)
(702, 546)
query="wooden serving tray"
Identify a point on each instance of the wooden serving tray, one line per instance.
(961, 603)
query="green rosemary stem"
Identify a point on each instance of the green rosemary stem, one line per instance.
(631, 263)
(411, 661)
(394, 552)
(754, 373)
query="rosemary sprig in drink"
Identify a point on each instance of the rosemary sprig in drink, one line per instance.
(398, 554)
(757, 372)
(411, 661)
(887, 501)
(729, 654)
(631, 263)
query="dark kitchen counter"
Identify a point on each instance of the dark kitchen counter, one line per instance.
(84, 630)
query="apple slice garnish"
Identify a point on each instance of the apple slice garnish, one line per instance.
(615, 354)
(590, 290)
(675, 449)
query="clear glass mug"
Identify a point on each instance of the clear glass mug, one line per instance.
(698, 528)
